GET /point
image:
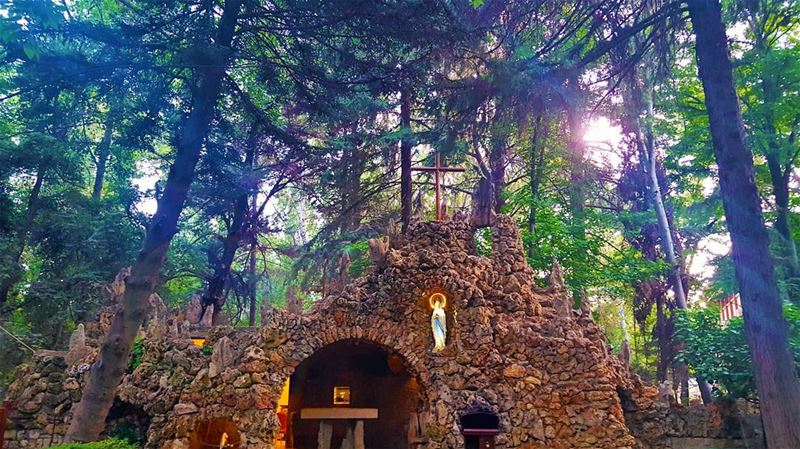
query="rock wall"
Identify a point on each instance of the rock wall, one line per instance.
(514, 350)
(659, 424)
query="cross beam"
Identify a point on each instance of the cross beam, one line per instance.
(438, 169)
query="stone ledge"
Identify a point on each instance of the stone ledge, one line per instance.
(713, 443)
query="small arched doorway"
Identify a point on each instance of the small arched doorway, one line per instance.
(352, 377)
(479, 430)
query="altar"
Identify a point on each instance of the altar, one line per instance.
(355, 430)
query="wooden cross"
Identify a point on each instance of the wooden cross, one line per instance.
(437, 171)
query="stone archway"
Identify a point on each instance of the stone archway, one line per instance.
(377, 377)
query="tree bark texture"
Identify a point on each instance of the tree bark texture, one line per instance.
(764, 323)
(252, 284)
(355, 161)
(103, 151)
(89, 415)
(498, 155)
(405, 158)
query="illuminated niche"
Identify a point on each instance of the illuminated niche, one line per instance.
(438, 301)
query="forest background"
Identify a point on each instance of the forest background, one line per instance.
(584, 120)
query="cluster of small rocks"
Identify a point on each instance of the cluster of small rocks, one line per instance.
(513, 350)
(43, 403)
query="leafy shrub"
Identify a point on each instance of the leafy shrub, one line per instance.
(111, 443)
(127, 432)
(483, 242)
(719, 353)
(137, 352)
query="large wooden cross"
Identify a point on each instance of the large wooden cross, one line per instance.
(437, 171)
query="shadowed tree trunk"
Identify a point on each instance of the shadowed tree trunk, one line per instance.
(103, 151)
(405, 158)
(663, 330)
(354, 160)
(89, 415)
(214, 295)
(252, 283)
(497, 163)
(764, 323)
(498, 154)
(7, 283)
(778, 172)
(535, 171)
(780, 191)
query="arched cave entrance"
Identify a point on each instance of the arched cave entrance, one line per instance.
(127, 422)
(217, 433)
(347, 378)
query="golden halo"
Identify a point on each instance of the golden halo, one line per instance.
(437, 297)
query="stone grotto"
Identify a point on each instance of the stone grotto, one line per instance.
(519, 367)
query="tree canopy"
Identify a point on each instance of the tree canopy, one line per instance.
(264, 141)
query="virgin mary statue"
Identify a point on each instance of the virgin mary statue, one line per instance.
(438, 321)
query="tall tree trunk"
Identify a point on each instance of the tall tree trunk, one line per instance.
(764, 323)
(497, 163)
(214, 295)
(89, 415)
(577, 188)
(252, 279)
(664, 337)
(498, 155)
(780, 191)
(535, 167)
(779, 176)
(649, 160)
(641, 121)
(405, 158)
(676, 241)
(103, 151)
(354, 161)
(24, 230)
(252, 283)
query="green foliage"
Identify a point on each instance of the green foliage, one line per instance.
(137, 353)
(110, 443)
(483, 242)
(723, 284)
(319, 113)
(127, 432)
(359, 262)
(719, 353)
